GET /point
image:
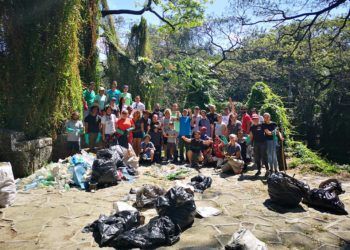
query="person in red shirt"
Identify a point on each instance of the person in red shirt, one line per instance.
(246, 121)
(218, 148)
(123, 128)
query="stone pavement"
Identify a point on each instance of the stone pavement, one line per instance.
(52, 219)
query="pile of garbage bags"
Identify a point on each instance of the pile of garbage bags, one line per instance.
(176, 210)
(105, 168)
(147, 195)
(287, 191)
(7, 185)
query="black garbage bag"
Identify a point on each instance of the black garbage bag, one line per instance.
(179, 205)
(147, 195)
(108, 154)
(285, 190)
(332, 185)
(160, 231)
(107, 228)
(325, 199)
(201, 183)
(104, 172)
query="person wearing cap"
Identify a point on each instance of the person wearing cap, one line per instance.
(113, 92)
(196, 144)
(114, 107)
(147, 149)
(92, 124)
(138, 104)
(196, 117)
(89, 97)
(101, 98)
(126, 95)
(74, 128)
(257, 136)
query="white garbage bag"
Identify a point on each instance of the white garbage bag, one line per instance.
(245, 239)
(7, 185)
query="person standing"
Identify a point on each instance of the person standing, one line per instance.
(101, 98)
(171, 135)
(257, 136)
(234, 125)
(89, 97)
(271, 133)
(204, 122)
(196, 117)
(226, 116)
(156, 111)
(138, 132)
(74, 128)
(185, 131)
(92, 122)
(113, 92)
(175, 114)
(220, 128)
(123, 128)
(213, 117)
(108, 122)
(126, 95)
(138, 105)
(246, 121)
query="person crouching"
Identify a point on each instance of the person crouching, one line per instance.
(233, 159)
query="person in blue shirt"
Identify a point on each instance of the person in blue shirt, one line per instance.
(185, 130)
(114, 92)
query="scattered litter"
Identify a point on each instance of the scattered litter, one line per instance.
(245, 239)
(169, 172)
(160, 231)
(147, 195)
(123, 206)
(208, 211)
(7, 185)
(201, 183)
(285, 190)
(107, 228)
(179, 205)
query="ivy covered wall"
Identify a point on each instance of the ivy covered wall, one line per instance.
(40, 80)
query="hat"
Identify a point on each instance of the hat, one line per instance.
(196, 107)
(255, 116)
(203, 129)
(102, 88)
(114, 99)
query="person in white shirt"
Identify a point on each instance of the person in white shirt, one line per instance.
(101, 98)
(196, 117)
(138, 105)
(108, 122)
(226, 115)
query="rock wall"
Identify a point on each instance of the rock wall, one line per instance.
(25, 156)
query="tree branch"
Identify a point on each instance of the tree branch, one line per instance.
(129, 12)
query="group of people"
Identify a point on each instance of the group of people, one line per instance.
(199, 136)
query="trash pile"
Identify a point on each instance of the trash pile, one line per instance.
(176, 211)
(287, 191)
(85, 170)
(200, 183)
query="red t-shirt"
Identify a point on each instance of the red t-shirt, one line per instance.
(218, 150)
(246, 120)
(124, 124)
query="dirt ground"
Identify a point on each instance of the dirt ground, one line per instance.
(53, 219)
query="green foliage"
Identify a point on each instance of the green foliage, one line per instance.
(42, 84)
(303, 156)
(138, 45)
(262, 98)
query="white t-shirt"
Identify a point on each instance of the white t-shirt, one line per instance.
(109, 122)
(196, 119)
(101, 101)
(139, 106)
(225, 119)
